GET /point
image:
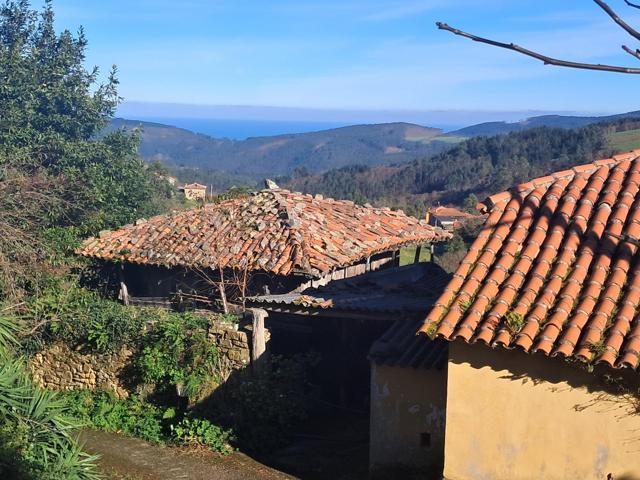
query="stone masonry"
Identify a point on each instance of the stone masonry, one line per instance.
(60, 368)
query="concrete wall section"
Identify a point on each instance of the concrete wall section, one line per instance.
(512, 416)
(407, 421)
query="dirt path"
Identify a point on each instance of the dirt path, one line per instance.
(133, 459)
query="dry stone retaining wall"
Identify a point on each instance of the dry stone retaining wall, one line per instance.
(59, 367)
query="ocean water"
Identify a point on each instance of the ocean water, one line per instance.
(242, 129)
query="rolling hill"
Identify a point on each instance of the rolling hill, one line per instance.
(480, 165)
(558, 121)
(224, 162)
(314, 152)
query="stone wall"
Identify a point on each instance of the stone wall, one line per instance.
(234, 349)
(60, 368)
(234, 345)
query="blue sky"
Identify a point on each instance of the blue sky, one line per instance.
(357, 54)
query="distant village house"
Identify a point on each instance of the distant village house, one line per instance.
(448, 218)
(194, 191)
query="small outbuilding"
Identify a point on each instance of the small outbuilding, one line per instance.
(272, 241)
(527, 365)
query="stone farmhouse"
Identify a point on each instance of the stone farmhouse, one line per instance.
(448, 218)
(526, 366)
(194, 191)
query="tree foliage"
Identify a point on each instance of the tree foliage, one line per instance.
(478, 166)
(54, 170)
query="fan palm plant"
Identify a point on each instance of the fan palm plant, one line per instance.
(36, 437)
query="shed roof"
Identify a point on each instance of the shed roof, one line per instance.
(451, 212)
(555, 268)
(273, 230)
(399, 346)
(411, 289)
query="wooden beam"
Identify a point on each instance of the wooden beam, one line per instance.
(258, 341)
(416, 258)
(124, 291)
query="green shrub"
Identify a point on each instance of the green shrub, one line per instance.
(201, 432)
(79, 317)
(177, 351)
(104, 411)
(145, 420)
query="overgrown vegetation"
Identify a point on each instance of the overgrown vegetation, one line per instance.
(58, 183)
(36, 433)
(145, 420)
(177, 352)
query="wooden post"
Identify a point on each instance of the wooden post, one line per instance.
(416, 259)
(223, 293)
(124, 291)
(258, 341)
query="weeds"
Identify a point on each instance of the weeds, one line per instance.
(514, 322)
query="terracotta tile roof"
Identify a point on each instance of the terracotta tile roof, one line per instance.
(555, 268)
(273, 230)
(195, 186)
(451, 212)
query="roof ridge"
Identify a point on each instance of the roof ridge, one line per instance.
(288, 214)
(547, 180)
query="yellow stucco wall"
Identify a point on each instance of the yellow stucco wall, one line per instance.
(512, 416)
(405, 403)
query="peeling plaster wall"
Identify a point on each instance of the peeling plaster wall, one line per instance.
(513, 416)
(406, 404)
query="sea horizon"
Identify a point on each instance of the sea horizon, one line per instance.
(239, 129)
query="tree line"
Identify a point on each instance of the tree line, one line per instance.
(478, 166)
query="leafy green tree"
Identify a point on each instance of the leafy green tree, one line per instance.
(53, 110)
(58, 173)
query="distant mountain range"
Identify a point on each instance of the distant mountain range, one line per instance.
(258, 157)
(316, 152)
(560, 121)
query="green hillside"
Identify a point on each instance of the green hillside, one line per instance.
(478, 166)
(624, 141)
(257, 157)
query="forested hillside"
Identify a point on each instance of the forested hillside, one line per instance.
(478, 166)
(257, 157)
(559, 121)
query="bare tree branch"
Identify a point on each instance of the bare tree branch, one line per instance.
(631, 4)
(543, 58)
(625, 26)
(635, 53)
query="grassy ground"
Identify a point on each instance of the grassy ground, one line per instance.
(408, 254)
(625, 141)
(449, 139)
